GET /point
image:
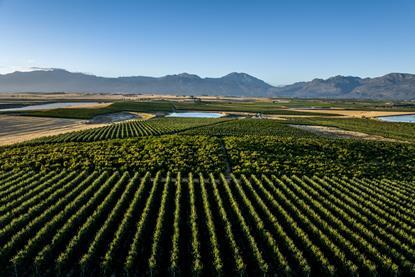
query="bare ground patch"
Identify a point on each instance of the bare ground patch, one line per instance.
(15, 129)
(89, 105)
(341, 133)
(353, 113)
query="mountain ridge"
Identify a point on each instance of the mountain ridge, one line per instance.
(393, 86)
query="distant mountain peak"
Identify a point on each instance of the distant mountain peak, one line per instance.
(239, 75)
(244, 78)
(183, 75)
(341, 77)
(188, 75)
(393, 86)
(395, 75)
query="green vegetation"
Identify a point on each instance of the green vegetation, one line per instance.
(305, 156)
(166, 107)
(174, 153)
(356, 104)
(394, 130)
(256, 127)
(75, 113)
(287, 153)
(278, 106)
(88, 113)
(239, 106)
(131, 129)
(113, 222)
(213, 145)
(209, 197)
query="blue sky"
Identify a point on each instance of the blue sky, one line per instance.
(278, 41)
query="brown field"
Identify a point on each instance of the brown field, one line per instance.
(39, 97)
(341, 133)
(89, 106)
(15, 129)
(352, 113)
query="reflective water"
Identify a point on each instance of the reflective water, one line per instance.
(399, 118)
(48, 106)
(196, 114)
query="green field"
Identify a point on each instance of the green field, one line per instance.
(166, 107)
(209, 197)
(131, 129)
(109, 222)
(213, 145)
(399, 131)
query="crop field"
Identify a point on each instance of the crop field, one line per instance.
(400, 131)
(14, 129)
(131, 129)
(207, 138)
(185, 126)
(210, 197)
(110, 222)
(162, 106)
(248, 126)
(212, 145)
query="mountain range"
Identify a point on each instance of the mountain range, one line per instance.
(393, 86)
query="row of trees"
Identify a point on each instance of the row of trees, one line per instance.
(106, 223)
(130, 129)
(244, 154)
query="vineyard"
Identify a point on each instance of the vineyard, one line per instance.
(248, 154)
(130, 129)
(164, 106)
(85, 223)
(254, 127)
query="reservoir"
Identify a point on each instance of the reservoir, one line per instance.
(196, 114)
(410, 118)
(49, 106)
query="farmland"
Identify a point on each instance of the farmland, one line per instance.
(207, 138)
(166, 107)
(111, 222)
(212, 145)
(232, 196)
(15, 129)
(136, 128)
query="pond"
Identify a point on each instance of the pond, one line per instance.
(409, 118)
(48, 106)
(113, 117)
(196, 114)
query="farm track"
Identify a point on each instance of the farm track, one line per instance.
(104, 223)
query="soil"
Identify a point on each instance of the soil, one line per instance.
(89, 106)
(15, 129)
(341, 133)
(352, 113)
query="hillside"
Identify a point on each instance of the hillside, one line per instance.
(397, 86)
(394, 86)
(235, 84)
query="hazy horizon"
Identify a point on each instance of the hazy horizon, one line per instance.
(30, 69)
(279, 42)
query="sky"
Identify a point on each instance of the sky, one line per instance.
(280, 42)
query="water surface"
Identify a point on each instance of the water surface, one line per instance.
(196, 114)
(409, 118)
(48, 106)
